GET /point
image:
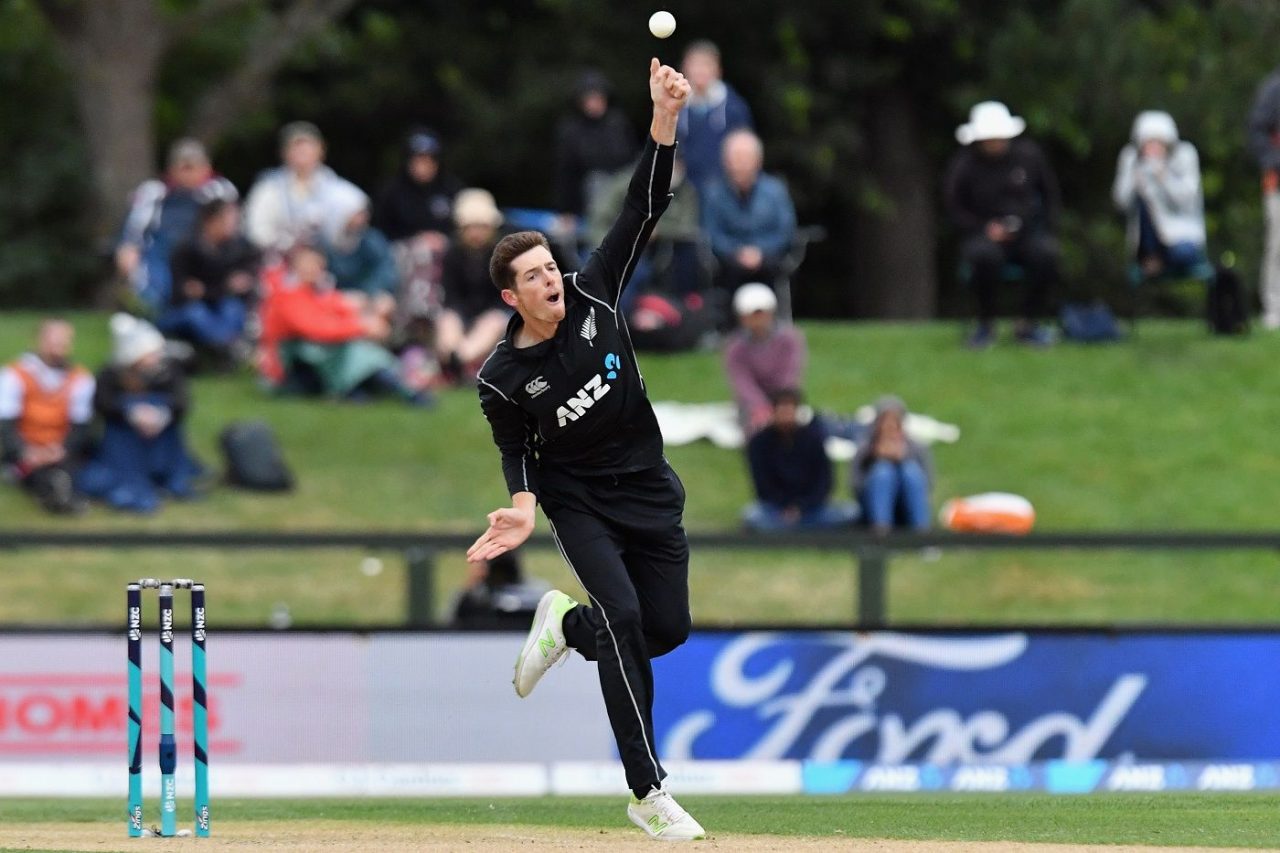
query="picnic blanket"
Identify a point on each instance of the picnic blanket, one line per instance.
(685, 423)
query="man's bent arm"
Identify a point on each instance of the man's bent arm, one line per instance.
(511, 434)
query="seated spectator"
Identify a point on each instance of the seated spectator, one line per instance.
(892, 474)
(593, 142)
(358, 255)
(474, 317)
(792, 473)
(317, 340)
(162, 215)
(214, 275)
(498, 595)
(748, 215)
(1003, 198)
(46, 407)
(143, 401)
(672, 261)
(714, 110)
(418, 202)
(291, 202)
(1158, 186)
(763, 357)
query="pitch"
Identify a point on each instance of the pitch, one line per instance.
(1125, 823)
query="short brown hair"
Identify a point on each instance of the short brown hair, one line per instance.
(508, 249)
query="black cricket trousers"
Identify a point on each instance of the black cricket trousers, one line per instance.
(623, 537)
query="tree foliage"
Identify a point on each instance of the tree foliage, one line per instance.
(44, 247)
(857, 102)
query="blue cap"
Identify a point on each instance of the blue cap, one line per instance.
(424, 142)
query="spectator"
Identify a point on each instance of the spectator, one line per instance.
(162, 215)
(714, 111)
(672, 261)
(358, 255)
(474, 317)
(143, 401)
(498, 594)
(593, 142)
(1264, 143)
(892, 474)
(763, 357)
(214, 274)
(46, 406)
(1003, 198)
(318, 340)
(291, 203)
(748, 215)
(1158, 186)
(792, 473)
(418, 202)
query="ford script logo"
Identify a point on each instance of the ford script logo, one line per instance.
(831, 696)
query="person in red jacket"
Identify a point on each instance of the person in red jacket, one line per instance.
(318, 340)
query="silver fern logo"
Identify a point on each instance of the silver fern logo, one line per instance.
(588, 331)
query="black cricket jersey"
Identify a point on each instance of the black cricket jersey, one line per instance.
(576, 403)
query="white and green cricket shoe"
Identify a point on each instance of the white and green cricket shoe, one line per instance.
(661, 816)
(546, 644)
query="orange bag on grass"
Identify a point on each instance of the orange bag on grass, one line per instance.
(991, 512)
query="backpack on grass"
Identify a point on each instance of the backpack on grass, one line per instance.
(253, 458)
(1226, 310)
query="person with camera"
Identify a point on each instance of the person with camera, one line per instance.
(1003, 199)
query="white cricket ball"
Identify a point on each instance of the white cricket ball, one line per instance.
(662, 24)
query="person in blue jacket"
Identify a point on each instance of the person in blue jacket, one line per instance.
(714, 111)
(791, 473)
(748, 215)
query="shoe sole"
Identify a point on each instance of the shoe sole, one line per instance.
(673, 838)
(531, 642)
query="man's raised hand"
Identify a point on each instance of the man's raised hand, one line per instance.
(667, 87)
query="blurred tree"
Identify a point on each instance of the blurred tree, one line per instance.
(856, 100)
(44, 180)
(114, 48)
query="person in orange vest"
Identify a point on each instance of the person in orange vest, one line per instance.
(46, 408)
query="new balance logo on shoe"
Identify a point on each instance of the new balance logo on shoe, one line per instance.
(657, 825)
(547, 644)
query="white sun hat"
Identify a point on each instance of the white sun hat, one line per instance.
(990, 120)
(752, 297)
(1155, 125)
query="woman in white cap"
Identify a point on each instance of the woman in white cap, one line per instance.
(474, 317)
(1003, 198)
(142, 399)
(1158, 186)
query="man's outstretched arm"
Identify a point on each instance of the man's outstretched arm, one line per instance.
(611, 265)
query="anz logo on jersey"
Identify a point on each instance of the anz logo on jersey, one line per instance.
(577, 405)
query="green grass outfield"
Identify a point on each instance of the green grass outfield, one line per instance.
(1210, 820)
(1173, 430)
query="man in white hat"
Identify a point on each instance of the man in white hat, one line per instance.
(762, 357)
(1003, 198)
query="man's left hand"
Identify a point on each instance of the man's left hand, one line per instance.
(667, 87)
(749, 258)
